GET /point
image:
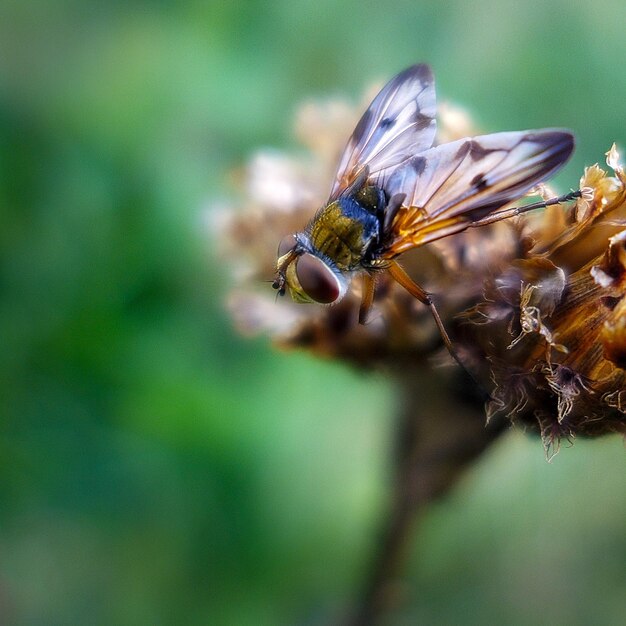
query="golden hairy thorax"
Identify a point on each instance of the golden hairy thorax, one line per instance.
(338, 236)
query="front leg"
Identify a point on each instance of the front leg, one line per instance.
(367, 297)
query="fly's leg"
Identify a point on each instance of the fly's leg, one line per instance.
(403, 279)
(519, 210)
(367, 298)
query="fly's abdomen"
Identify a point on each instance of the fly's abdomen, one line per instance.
(342, 237)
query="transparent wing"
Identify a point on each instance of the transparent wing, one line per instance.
(449, 186)
(399, 123)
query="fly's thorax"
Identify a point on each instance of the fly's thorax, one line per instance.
(342, 231)
(371, 198)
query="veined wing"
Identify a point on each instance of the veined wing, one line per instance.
(449, 186)
(399, 123)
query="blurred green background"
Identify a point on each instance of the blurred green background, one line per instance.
(155, 468)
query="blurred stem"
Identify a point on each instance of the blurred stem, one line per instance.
(438, 436)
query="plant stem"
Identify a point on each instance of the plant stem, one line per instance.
(431, 453)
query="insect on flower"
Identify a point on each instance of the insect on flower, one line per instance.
(394, 191)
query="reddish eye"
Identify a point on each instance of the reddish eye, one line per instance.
(317, 279)
(286, 244)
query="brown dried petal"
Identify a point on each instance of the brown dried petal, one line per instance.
(610, 273)
(613, 335)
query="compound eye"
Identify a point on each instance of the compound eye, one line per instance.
(317, 280)
(286, 244)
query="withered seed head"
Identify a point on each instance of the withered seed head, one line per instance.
(567, 318)
(535, 305)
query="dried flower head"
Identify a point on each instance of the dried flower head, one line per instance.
(553, 317)
(534, 305)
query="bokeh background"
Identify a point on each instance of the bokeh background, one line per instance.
(156, 468)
